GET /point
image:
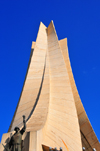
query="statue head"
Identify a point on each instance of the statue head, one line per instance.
(16, 129)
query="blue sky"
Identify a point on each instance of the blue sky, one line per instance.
(77, 20)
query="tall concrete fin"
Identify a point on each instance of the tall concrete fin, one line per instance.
(62, 122)
(89, 139)
(33, 80)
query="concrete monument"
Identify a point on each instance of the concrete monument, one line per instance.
(55, 116)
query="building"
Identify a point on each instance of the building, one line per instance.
(55, 116)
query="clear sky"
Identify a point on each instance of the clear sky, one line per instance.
(78, 20)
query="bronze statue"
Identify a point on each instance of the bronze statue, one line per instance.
(15, 143)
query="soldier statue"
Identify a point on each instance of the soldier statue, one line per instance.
(15, 143)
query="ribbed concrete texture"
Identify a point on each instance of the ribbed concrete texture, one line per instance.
(55, 116)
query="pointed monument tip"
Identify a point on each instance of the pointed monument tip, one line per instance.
(41, 23)
(52, 22)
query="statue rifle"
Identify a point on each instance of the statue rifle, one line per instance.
(5, 147)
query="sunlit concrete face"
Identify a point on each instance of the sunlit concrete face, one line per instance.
(50, 101)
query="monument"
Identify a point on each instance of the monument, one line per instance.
(55, 116)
